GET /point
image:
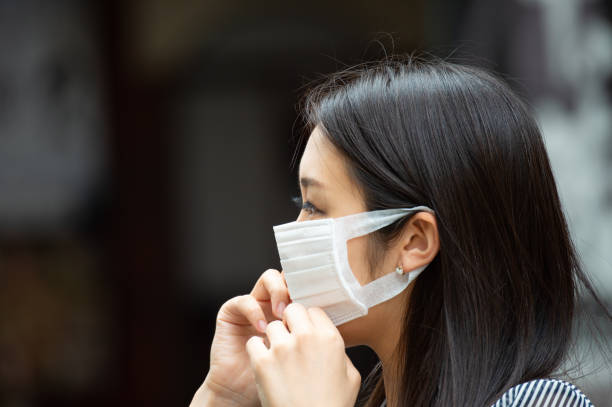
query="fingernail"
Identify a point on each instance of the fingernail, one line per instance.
(261, 324)
(280, 308)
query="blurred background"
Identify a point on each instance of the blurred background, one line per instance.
(145, 151)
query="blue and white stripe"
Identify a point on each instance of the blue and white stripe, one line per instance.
(544, 393)
(541, 393)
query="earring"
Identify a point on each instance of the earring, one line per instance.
(399, 270)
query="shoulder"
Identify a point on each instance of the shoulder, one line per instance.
(544, 393)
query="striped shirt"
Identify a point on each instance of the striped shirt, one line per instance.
(544, 393)
(541, 393)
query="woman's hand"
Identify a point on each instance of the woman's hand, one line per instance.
(305, 365)
(230, 380)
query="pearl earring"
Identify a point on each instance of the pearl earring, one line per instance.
(399, 270)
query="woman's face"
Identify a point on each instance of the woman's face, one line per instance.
(328, 191)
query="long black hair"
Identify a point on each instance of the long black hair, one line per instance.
(495, 307)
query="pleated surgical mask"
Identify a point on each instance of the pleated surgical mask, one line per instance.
(314, 258)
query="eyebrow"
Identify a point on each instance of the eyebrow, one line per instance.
(306, 182)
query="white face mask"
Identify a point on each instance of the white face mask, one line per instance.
(315, 263)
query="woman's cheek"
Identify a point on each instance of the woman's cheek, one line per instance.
(357, 257)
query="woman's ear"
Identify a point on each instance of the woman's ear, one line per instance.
(419, 242)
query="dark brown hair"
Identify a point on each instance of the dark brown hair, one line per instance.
(496, 305)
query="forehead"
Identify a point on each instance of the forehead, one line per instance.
(322, 162)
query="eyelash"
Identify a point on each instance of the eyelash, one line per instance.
(307, 206)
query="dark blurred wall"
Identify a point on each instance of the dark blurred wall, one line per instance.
(56, 305)
(147, 149)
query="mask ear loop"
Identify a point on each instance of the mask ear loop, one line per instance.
(359, 224)
(364, 223)
(386, 287)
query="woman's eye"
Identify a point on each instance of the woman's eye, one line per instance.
(305, 206)
(308, 207)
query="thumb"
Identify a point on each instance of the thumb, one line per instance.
(352, 374)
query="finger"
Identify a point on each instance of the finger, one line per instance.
(241, 319)
(297, 319)
(266, 306)
(277, 332)
(271, 286)
(352, 373)
(320, 319)
(256, 349)
(326, 328)
(283, 276)
(246, 306)
(285, 282)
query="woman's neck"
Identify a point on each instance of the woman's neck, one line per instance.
(385, 346)
(385, 349)
(390, 377)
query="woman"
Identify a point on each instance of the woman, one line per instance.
(487, 321)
